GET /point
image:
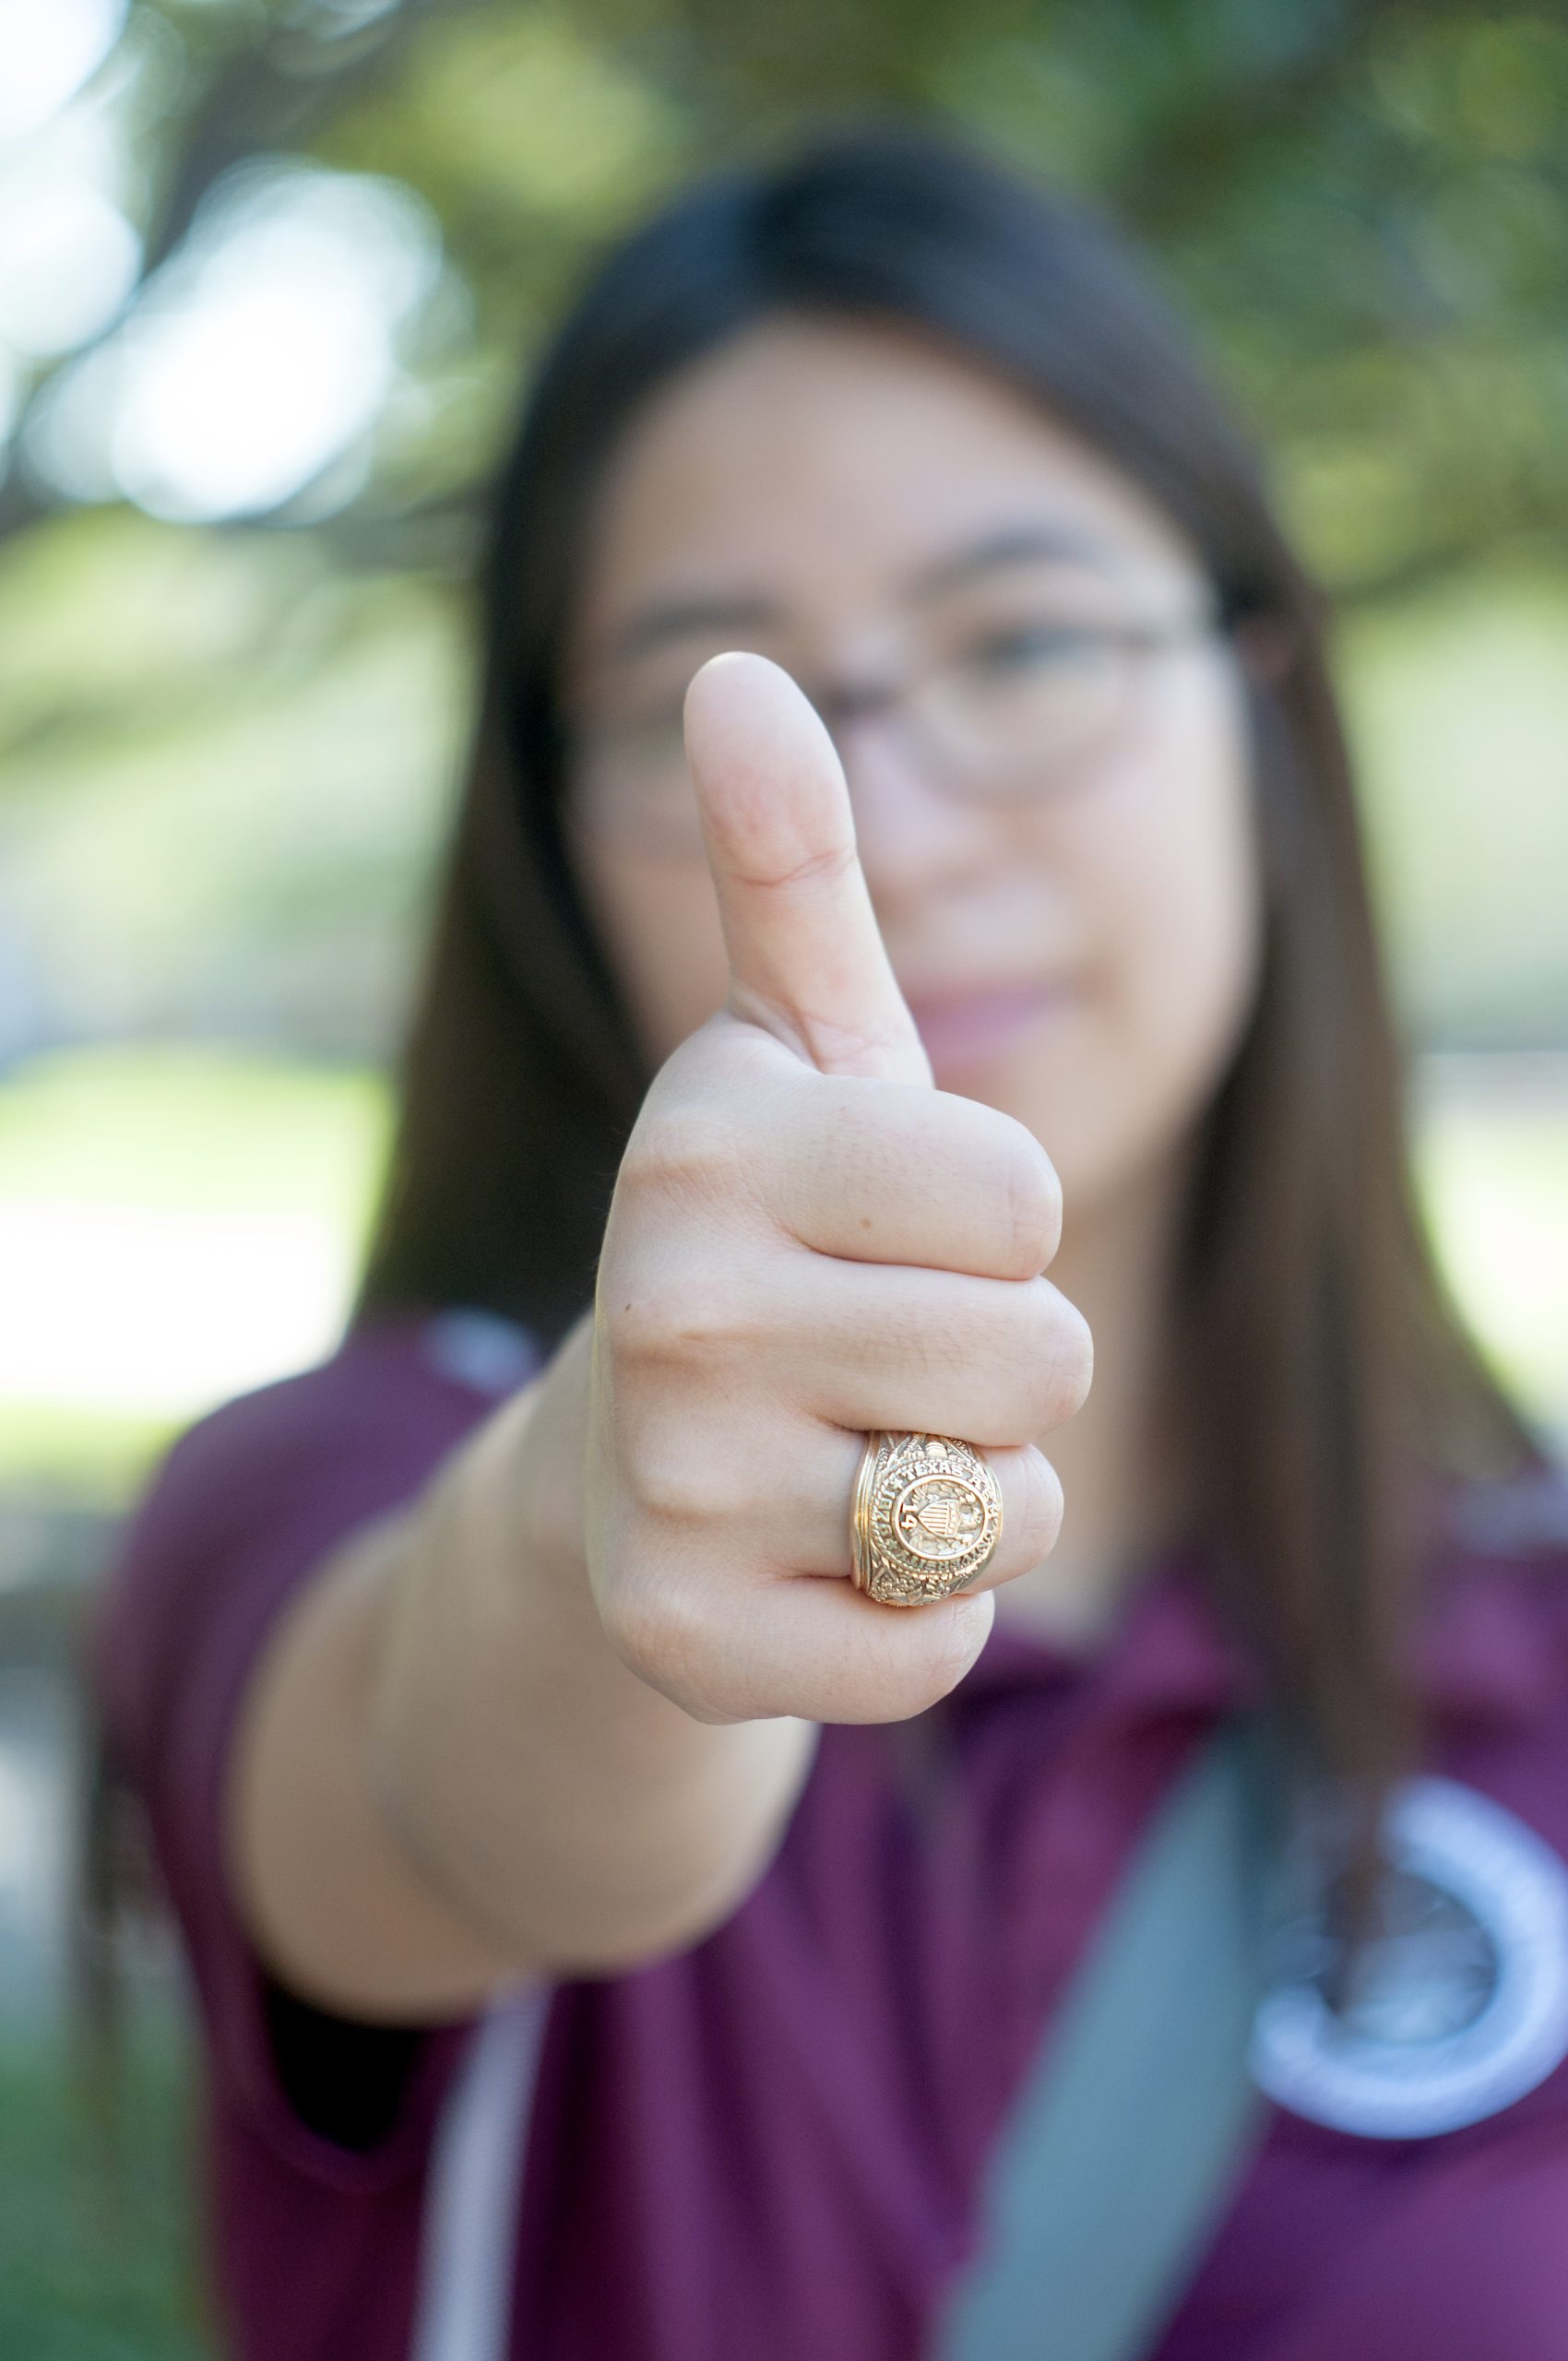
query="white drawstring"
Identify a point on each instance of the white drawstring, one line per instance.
(462, 2309)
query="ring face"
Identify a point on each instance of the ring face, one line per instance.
(927, 1517)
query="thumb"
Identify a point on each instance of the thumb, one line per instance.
(807, 960)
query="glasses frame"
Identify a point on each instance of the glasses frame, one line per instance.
(1135, 641)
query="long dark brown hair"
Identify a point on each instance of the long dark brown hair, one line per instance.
(1321, 1377)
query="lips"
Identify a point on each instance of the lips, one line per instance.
(963, 1027)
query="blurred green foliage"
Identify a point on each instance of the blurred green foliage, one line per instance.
(1363, 205)
(220, 764)
(224, 747)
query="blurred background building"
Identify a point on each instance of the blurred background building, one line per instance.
(270, 273)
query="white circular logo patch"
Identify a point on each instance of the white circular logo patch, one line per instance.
(1463, 2007)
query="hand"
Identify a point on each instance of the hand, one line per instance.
(807, 1240)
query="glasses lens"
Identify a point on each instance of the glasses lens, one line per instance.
(1022, 698)
(632, 782)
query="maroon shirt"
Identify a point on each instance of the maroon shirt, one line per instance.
(772, 2144)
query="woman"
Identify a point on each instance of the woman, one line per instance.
(618, 1932)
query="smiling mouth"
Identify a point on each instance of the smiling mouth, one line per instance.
(962, 1028)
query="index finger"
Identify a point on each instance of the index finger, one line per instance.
(807, 961)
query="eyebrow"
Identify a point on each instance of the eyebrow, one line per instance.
(1009, 545)
(682, 617)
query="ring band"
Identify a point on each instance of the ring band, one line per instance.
(926, 1517)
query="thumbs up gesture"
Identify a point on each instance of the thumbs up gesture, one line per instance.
(807, 1242)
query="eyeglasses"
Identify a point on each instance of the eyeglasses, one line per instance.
(1000, 719)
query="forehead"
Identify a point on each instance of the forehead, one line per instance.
(822, 462)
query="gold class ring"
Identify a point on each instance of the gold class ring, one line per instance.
(926, 1517)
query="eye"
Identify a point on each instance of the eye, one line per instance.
(1010, 649)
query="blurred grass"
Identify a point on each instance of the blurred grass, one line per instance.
(1457, 703)
(233, 1150)
(181, 1126)
(94, 1458)
(1493, 1175)
(236, 1155)
(93, 2270)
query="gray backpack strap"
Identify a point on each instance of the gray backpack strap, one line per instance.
(1124, 2144)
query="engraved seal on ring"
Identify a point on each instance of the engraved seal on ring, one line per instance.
(931, 1517)
(938, 1518)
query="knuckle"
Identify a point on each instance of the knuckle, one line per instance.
(695, 1323)
(682, 1150)
(635, 1625)
(1058, 1354)
(639, 1329)
(1072, 1364)
(659, 1630)
(913, 1657)
(669, 1485)
(823, 869)
(950, 1640)
(1031, 1205)
(1044, 1504)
